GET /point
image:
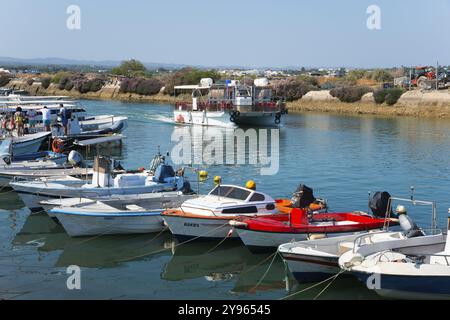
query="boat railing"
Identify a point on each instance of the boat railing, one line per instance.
(227, 106)
(360, 241)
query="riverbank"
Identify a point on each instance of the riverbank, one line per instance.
(107, 92)
(364, 108)
(432, 104)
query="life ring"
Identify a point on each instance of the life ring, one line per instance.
(179, 119)
(58, 145)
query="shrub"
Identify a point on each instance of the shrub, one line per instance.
(69, 85)
(292, 89)
(141, 86)
(63, 82)
(4, 80)
(129, 68)
(96, 84)
(379, 95)
(59, 75)
(45, 82)
(312, 81)
(187, 76)
(350, 94)
(390, 96)
(381, 75)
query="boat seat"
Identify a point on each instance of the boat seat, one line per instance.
(134, 207)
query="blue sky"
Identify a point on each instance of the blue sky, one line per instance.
(232, 32)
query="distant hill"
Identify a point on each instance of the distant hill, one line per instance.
(73, 62)
(112, 63)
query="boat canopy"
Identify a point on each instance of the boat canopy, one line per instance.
(191, 87)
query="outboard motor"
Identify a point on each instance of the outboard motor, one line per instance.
(409, 227)
(164, 171)
(185, 187)
(76, 159)
(302, 197)
(156, 162)
(379, 202)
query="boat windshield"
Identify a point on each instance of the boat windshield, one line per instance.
(230, 192)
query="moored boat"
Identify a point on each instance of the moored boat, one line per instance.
(207, 217)
(104, 182)
(116, 215)
(393, 273)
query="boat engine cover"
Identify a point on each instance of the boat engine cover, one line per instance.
(75, 158)
(302, 197)
(164, 171)
(378, 203)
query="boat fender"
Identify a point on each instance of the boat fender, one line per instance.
(356, 260)
(250, 185)
(232, 118)
(235, 223)
(180, 119)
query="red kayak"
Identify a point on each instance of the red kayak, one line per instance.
(267, 233)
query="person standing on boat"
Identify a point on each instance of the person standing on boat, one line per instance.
(3, 121)
(19, 121)
(64, 114)
(31, 115)
(46, 118)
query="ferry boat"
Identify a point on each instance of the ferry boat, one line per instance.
(229, 104)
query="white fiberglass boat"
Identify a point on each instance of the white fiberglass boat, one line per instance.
(28, 143)
(116, 214)
(393, 273)
(229, 104)
(102, 184)
(208, 217)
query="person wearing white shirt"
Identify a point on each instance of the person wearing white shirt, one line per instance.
(46, 118)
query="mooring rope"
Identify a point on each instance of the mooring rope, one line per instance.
(265, 273)
(177, 245)
(333, 277)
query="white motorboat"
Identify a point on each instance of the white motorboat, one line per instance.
(116, 214)
(391, 272)
(229, 104)
(37, 164)
(94, 127)
(318, 259)
(208, 217)
(103, 183)
(28, 143)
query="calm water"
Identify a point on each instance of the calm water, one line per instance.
(341, 157)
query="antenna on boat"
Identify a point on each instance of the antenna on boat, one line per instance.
(368, 201)
(412, 193)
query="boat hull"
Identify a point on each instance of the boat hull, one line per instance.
(185, 228)
(77, 225)
(25, 144)
(306, 268)
(408, 287)
(258, 242)
(222, 119)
